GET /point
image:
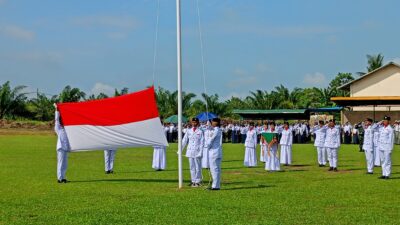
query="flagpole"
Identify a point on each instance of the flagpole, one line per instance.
(179, 62)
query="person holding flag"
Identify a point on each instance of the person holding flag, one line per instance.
(214, 147)
(272, 161)
(109, 156)
(62, 148)
(194, 139)
(319, 142)
(159, 158)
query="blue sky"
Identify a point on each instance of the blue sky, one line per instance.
(99, 45)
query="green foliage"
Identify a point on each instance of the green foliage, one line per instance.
(302, 194)
(42, 106)
(69, 94)
(12, 101)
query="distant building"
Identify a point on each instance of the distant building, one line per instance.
(380, 83)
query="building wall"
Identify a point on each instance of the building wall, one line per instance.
(384, 82)
(357, 116)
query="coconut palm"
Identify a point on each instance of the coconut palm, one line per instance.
(69, 94)
(11, 100)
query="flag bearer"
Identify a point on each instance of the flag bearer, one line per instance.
(386, 143)
(272, 160)
(250, 157)
(109, 156)
(159, 158)
(63, 148)
(286, 144)
(332, 143)
(214, 146)
(194, 139)
(368, 143)
(208, 129)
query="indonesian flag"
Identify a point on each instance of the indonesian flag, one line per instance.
(130, 120)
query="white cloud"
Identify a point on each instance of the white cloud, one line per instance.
(120, 22)
(33, 56)
(102, 88)
(240, 72)
(234, 94)
(262, 68)
(316, 79)
(17, 32)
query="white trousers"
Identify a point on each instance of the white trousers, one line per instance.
(109, 156)
(377, 157)
(250, 157)
(262, 153)
(369, 156)
(195, 170)
(328, 154)
(386, 159)
(159, 158)
(272, 162)
(321, 153)
(286, 154)
(215, 169)
(333, 153)
(205, 161)
(62, 164)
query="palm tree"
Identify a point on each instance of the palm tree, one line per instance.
(11, 100)
(43, 107)
(214, 106)
(374, 62)
(69, 94)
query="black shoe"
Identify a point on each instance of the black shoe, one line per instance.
(215, 189)
(335, 169)
(64, 181)
(59, 181)
(111, 171)
(330, 168)
(107, 172)
(382, 177)
(191, 184)
(320, 165)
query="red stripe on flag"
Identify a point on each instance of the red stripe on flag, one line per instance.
(134, 107)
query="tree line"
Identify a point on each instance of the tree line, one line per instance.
(15, 104)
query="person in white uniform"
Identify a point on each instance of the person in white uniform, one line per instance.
(109, 156)
(214, 147)
(286, 144)
(368, 143)
(194, 139)
(250, 157)
(386, 144)
(62, 148)
(205, 163)
(377, 158)
(332, 143)
(319, 143)
(263, 143)
(272, 162)
(159, 158)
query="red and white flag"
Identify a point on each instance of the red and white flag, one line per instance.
(130, 120)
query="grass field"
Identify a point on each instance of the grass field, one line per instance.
(135, 194)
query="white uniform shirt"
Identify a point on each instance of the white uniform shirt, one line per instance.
(332, 138)
(62, 138)
(214, 143)
(369, 131)
(320, 133)
(287, 137)
(251, 139)
(386, 138)
(195, 142)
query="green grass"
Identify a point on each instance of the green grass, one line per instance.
(135, 194)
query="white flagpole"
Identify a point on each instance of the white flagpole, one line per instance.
(179, 60)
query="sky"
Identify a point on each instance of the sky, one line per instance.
(100, 45)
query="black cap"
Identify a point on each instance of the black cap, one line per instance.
(369, 120)
(386, 118)
(195, 119)
(332, 120)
